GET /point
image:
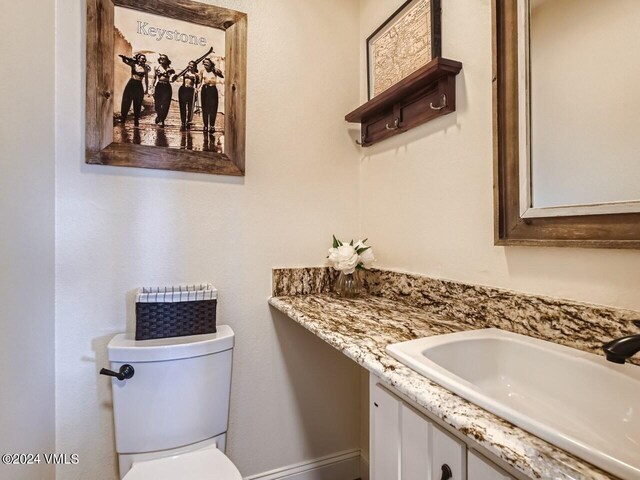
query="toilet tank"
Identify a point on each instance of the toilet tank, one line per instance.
(179, 393)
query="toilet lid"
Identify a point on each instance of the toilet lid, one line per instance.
(206, 464)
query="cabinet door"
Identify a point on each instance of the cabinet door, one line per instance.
(449, 456)
(415, 445)
(385, 448)
(481, 469)
(425, 449)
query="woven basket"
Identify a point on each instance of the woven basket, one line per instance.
(163, 312)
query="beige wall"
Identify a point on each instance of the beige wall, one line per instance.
(27, 235)
(425, 203)
(293, 396)
(426, 195)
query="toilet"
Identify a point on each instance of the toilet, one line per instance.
(171, 416)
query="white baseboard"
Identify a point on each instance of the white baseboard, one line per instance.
(338, 466)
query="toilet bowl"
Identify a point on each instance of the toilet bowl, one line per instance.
(203, 464)
(171, 415)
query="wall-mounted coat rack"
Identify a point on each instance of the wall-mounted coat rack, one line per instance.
(427, 93)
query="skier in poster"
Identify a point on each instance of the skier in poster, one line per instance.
(134, 92)
(186, 95)
(209, 94)
(162, 90)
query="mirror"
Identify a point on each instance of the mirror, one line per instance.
(566, 103)
(582, 89)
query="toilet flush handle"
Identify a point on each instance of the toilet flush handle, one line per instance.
(125, 373)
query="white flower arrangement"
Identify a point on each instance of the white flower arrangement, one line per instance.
(349, 257)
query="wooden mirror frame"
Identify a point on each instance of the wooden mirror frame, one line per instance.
(100, 148)
(598, 231)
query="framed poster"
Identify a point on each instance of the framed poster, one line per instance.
(166, 85)
(409, 39)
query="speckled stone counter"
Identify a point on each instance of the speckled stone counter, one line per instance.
(362, 328)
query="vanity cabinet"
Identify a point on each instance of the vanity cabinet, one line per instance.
(386, 435)
(427, 451)
(481, 469)
(414, 460)
(405, 445)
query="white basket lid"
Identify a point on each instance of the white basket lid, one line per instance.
(179, 293)
(125, 348)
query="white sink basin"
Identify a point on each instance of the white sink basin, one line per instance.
(575, 400)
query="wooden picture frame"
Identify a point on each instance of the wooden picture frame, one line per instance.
(100, 148)
(621, 230)
(435, 40)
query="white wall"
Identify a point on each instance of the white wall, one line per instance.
(26, 241)
(293, 397)
(426, 195)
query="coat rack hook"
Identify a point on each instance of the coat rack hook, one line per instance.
(442, 105)
(396, 124)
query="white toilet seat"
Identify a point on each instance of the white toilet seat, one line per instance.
(206, 464)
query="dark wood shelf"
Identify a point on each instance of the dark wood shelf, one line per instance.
(427, 93)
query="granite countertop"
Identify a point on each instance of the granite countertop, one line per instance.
(362, 328)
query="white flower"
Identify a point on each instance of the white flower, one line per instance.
(333, 256)
(344, 258)
(366, 258)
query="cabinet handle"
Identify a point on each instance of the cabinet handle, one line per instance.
(446, 472)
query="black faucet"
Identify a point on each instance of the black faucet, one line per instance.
(620, 350)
